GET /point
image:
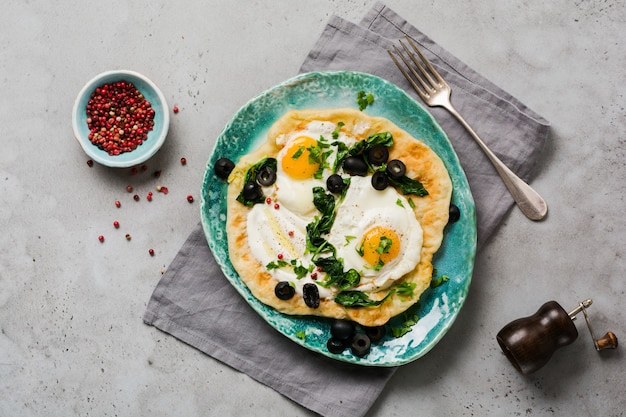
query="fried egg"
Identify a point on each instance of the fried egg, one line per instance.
(376, 233)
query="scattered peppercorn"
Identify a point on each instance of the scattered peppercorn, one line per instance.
(175, 109)
(90, 162)
(151, 252)
(136, 197)
(162, 189)
(190, 198)
(149, 196)
(118, 204)
(116, 224)
(128, 236)
(133, 171)
(144, 167)
(129, 188)
(183, 161)
(101, 238)
(157, 174)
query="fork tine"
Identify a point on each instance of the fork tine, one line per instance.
(428, 83)
(432, 70)
(421, 91)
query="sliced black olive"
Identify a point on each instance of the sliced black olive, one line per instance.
(342, 329)
(380, 181)
(455, 214)
(396, 169)
(335, 184)
(355, 165)
(360, 345)
(266, 176)
(311, 295)
(252, 191)
(375, 333)
(335, 346)
(284, 290)
(378, 154)
(223, 167)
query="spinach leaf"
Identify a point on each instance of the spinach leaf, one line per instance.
(358, 299)
(409, 186)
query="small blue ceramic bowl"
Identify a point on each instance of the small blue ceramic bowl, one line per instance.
(156, 136)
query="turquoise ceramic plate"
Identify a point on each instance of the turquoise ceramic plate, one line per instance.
(438, 307)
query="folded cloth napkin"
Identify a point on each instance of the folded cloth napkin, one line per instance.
(196, 304)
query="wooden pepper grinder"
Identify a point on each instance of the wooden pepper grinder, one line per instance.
(529, 342)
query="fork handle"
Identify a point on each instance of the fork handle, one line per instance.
(526, 198)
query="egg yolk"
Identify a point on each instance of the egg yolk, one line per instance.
(380, 246)
(298, 161)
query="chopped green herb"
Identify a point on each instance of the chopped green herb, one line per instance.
(337, 129)
(435, 282)
(405, 289)
(349, 239)
(364, 99)
(301, 335)
(410, 319)
(379, 265)
(361, 249)
(299, 270)
(276, 264)
(384, 245)
(297, 154)
(399, 203)
(411, 203)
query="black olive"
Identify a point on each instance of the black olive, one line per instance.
(252, 191)
(342, 329)
(375, 333)
(360, 345)
(284, 290)
(396, 169)
(311, 295)
(335, 346)
(335, 184)
(455, 214)
(378, 154)
(266, 176)
(355, 165)
(380, 181)
(223, 167)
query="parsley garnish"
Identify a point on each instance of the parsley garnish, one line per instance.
(276, 264)
(364, 99)
(410, 319)
(435, 282)
(405, 289)
(337, 129)
(384, 245)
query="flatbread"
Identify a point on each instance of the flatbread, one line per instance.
(431, 211)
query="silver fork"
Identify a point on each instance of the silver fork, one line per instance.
(434, 90)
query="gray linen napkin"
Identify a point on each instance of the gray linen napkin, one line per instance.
(196, 304)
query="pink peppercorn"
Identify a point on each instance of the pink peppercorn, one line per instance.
(101, 238)
(190, 198)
